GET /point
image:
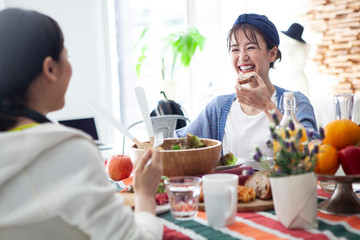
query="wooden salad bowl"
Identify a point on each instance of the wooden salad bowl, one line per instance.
(188, 162)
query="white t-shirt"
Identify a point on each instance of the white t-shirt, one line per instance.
(243, 132)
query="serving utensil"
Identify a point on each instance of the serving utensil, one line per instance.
(143, 104)
(158, 140)
(102, 112)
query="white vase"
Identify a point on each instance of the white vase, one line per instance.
(295, 200)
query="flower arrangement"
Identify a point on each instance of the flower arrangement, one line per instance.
(292, 155)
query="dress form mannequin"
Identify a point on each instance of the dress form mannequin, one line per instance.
(294, 51)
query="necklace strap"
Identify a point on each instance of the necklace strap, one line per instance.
(21, 111)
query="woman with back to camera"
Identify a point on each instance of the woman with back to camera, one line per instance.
(241, 120)
(53, 184)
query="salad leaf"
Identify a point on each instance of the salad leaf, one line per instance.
(227, 159)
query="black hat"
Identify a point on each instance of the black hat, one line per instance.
(295, 31)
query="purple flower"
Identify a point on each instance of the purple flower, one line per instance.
(287, 134)
(269, 144)
(287, 144)
(315, 150)
(310, 135)
(299, 134)
(248, 171)
(291, 125)
(274, 136)
(258, 155)
(322, 133)
(275, 117)
(306, 150)
(293, 148)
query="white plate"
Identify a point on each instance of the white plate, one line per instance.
(257, 165)
(238, 163)
(162, 208)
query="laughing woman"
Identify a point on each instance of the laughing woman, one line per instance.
(241, 120)
(53, 183)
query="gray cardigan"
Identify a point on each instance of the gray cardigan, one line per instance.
(211, 121)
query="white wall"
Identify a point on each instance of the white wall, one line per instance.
(86, 29)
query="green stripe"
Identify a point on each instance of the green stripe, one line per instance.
(203, 230)
(337, 230)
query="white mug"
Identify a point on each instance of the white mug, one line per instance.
(220, 198)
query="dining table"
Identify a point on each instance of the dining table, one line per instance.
(258, 224)
(262, 225)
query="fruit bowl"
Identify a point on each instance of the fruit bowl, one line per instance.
(343, 200)
(188, 162)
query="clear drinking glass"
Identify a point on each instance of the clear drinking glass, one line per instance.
(343, 106)
(183, 193)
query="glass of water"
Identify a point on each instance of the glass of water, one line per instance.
(343, 106)
(183, 193)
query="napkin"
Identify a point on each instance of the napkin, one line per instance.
(242, 172)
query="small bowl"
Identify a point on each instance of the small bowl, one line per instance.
(188, 162)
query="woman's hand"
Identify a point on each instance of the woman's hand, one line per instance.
(146, 180)
(257, 96)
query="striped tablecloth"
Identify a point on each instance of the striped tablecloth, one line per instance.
(262, 225)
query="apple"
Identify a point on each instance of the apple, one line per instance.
(119, 167)
(350, 159)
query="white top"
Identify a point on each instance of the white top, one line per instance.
(243, 133)
(53, 185)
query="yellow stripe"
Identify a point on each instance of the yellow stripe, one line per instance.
(22, 127)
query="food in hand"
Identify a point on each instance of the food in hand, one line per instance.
(188, 142)
(260, 182)
(246, 194)
(227, 159)
(246, 77)
(119, 167)
(327, 161)
(341, 133)
(350, 159)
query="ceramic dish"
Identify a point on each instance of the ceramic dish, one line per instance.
(238, 163)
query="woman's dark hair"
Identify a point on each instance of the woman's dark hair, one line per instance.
(248, 28)
(27, 38)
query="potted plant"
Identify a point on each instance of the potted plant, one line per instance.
(292, 176)
(183, 45)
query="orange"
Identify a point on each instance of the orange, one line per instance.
(341, 133)
(327, 161)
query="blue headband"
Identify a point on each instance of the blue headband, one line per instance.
(262, 23)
